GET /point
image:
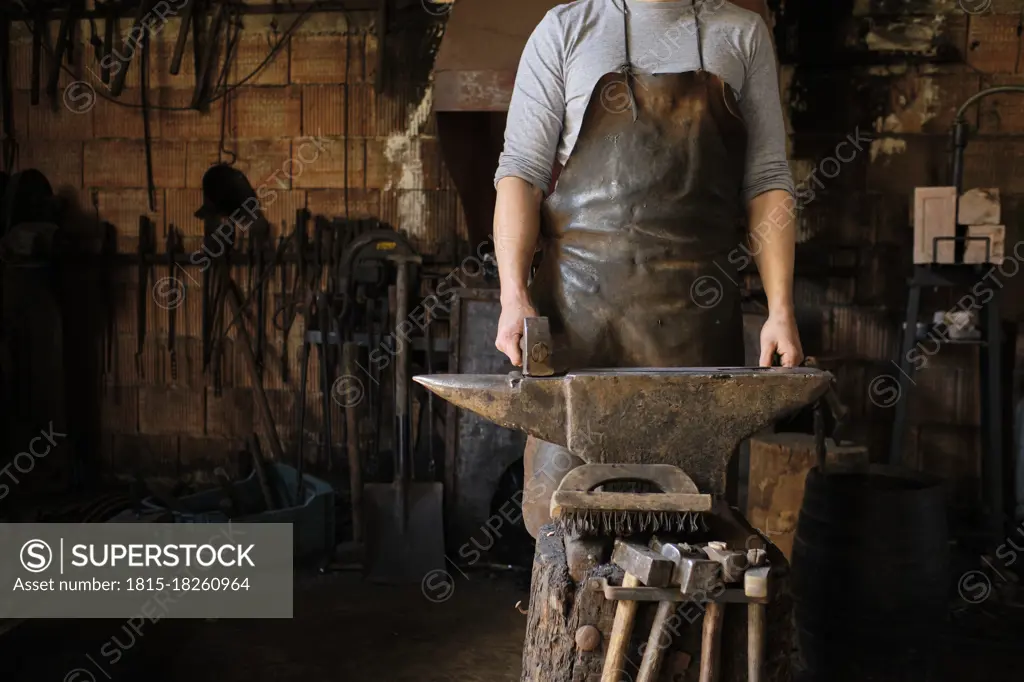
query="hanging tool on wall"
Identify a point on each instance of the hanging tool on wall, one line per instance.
(208, 59)
(109, 250)
(147, 132)
(65, 48)
(135, 36)
(175, 297)
(146, 251)
(179, 44)
(259, 237)
(282, 248)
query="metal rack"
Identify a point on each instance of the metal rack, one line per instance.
(959, 275)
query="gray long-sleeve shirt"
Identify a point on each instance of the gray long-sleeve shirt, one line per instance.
(577, 43)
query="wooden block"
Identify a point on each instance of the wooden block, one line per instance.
(995, 247)
(980, 207)
(779, 464)
(934, 216)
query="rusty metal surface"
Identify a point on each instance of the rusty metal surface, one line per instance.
(690, 417)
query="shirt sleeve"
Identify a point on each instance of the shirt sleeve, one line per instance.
(534, 124)
(761, 106)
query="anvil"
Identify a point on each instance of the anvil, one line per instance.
(693, 418)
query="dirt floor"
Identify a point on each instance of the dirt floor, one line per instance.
(347, 630)
(344, 630)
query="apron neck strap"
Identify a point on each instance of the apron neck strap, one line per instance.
(627, 67)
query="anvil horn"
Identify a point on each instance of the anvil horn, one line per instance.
(534, 407)
(691, 417)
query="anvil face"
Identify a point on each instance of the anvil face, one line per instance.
(690, 417)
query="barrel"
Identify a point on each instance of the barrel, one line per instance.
(870, 571)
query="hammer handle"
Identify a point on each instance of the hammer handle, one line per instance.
(711, 638)
(622, 630)
(650, 666)
(755, 641)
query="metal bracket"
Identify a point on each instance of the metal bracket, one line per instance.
(726, 595)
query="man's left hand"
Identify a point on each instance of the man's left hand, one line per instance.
(779, 336)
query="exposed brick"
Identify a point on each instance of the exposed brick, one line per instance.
(994, 43)
(1002, 113)
(323, 111)
(48, 124)
(953, 90)
(370, 52)
(426, 216)
(164, 410)
(280, 206)
(329, 169)
(266, 113)
(264, 162)
(252, 49)
(61, 162)
(113, 120)
(375, 172)
(122, 209)
(120, 163)
(181, 208)
(995, 163)
(189, 124)
(331, 202)
(321, 59)
(229, 415)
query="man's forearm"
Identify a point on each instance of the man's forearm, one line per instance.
(516, 228)
(773, 243)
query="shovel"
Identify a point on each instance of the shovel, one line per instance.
(405, 532)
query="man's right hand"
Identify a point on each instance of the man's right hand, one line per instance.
(510, 327)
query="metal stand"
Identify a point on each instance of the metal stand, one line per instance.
(990, 367)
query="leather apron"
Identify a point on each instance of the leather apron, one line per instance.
(642, 218)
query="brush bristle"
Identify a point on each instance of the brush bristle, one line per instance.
(623, 523)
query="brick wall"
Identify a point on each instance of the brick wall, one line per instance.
(92, 150)
(897, 70)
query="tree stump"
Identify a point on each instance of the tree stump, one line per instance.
(560, 606)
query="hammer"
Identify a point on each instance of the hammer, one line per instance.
(642, 566)
(536, 347)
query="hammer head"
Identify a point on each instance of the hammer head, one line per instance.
(692, 418)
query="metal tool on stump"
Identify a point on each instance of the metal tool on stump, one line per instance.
(405, 534)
